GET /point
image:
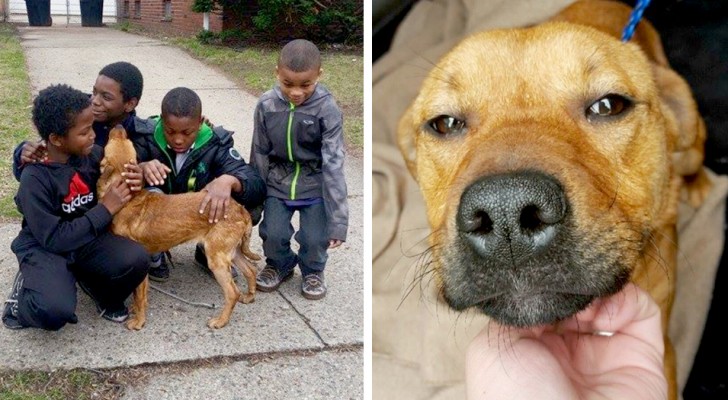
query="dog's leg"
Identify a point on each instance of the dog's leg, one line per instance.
(219, 260)
(249, 270)
(139, 307)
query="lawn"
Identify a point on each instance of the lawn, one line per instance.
(15, 122)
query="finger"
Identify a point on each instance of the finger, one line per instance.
(225, 208)
(631, 311)
(214, 214)
(204, 203)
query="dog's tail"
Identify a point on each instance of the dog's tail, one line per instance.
(244, 245)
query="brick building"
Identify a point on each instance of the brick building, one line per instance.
(173, 17)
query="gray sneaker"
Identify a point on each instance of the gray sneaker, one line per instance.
(313, 286)
(269, 280)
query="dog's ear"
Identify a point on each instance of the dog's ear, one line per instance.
(406, 140)
(688, 133)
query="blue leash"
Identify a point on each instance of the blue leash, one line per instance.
(634, 19)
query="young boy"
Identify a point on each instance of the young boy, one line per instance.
(186, 155)
(64, 236)
(116, 93)
(298, 149)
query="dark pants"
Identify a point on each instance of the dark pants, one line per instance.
(276, 231)
(111, 267)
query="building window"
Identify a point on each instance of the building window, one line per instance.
(125, 12)
(137, 9)
(167, 10)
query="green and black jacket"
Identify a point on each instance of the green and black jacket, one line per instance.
(212, 155)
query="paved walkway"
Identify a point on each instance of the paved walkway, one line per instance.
(304, 336)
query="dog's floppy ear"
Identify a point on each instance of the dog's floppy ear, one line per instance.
(688, 135)
(406, 140)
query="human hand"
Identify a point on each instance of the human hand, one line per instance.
(134, 176)
(575, 359)
(33, 152)
(154, 172)
(207, 122)
(334, 243)
(116, 196)
(217, 197)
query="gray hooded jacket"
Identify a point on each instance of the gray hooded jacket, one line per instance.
(299, 152)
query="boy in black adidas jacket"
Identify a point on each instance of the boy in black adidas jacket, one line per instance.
(186, 155)
(64, 237)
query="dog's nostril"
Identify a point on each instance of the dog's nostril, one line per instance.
(530, 219)
(480, 223)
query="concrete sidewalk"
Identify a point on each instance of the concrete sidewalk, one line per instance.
(282, 323)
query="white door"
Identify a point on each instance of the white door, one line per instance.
(62, 11)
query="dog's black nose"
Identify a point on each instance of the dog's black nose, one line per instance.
(511, 216)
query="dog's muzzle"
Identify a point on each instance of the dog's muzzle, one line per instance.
(514, 254)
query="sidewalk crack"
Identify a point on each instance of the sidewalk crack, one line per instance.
(305, 320)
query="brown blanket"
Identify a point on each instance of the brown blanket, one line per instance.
(418, 343)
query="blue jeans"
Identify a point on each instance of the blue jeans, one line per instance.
(312, 236)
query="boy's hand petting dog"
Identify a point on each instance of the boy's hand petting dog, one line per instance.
(116, 196)
(33, 152)
(134, 176)
(218, 196)
(154, 172)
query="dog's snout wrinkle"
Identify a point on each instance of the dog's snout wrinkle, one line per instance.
(511, 216)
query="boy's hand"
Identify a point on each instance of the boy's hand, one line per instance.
(33, 152)
(134, 176)
(334, 243)
(207, 122)
(218, 197)
(117, 195)
(154, 172)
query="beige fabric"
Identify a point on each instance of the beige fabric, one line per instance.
(418, 343)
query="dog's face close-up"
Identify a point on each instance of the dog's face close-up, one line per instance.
(544, 158)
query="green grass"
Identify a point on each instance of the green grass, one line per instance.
(58, 385)
(253, 69)
(15, 118)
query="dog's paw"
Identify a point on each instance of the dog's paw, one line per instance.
(216, 323)
(135, 324)
(247, 298)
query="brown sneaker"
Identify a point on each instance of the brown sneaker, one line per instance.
(313, 286)
(269, 280)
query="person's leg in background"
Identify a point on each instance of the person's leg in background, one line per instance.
(276, 231)
(109, 269)
(314, 240)
(43, 294)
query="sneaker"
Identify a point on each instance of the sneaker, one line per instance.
(116, 315)
(269, 280)
(313, 286)
(10, 311)
(201, 259)
(159, 273)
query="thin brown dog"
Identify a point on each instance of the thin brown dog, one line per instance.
(160, 222)
(551, 160)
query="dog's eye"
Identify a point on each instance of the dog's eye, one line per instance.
(608, 106)
(446, 124)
